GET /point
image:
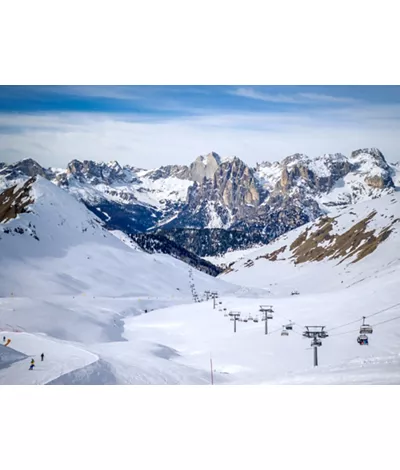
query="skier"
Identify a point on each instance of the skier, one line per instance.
(4, 339)
(42, 356)
(32, 362)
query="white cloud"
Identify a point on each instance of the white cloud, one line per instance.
(259, 95)
(298, 98)
(53, 140)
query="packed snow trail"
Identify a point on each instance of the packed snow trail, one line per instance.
(59, 358)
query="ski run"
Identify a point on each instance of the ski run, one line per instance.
(103, 311)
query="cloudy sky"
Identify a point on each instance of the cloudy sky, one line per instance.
(149, 126)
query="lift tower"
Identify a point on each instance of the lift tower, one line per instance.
(316, 333)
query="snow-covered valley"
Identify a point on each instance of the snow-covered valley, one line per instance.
(104, 312)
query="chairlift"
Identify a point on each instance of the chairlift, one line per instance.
(255, 319)
(269, 316)
(362, 340)
(250, 317)
(323, 334)
(365, 328)
(245, 320)
(226, 315)
(284, 332)
(316, 342)
(289, 327)
(295, 292)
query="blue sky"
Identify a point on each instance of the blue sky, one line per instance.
(150, 126)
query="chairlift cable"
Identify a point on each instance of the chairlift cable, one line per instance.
(376, 324)
(365, 316)
(289, 321)
(387, 321)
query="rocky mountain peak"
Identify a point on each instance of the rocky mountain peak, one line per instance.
(204, 167)
(178, 171)
(295, 158)
(371, 164)
(25, 167)
(95, 173)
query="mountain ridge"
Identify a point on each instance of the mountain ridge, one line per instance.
(214, 193)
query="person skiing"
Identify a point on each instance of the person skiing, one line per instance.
(42, 356)
(33, 361)
(4, 339)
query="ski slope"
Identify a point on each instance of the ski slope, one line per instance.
(60, 358)
(104, 313)
(251, 357)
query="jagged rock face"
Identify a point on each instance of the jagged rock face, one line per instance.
(178, 171)
(204, 167)
(318, 174)
(96, 173)
(236, 183)
(226, 193)
(15, 200)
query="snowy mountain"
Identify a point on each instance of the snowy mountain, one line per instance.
(105, 312)
(338, 250)
(219, 199)
(51, 245)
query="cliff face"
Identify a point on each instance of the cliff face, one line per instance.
(15, 200)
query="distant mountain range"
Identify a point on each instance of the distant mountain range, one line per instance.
(217, 204)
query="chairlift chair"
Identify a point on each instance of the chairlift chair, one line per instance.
(245, 320)
(362, 340)
(365, 328)
(270, 316)
(316, 342)
(250, 317)
(284, 332)
(255, 319)
(289, 327)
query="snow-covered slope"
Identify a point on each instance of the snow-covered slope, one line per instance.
(66, 277)
(126, 239)
(231, 256)
(59, 248)
(335, 251)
